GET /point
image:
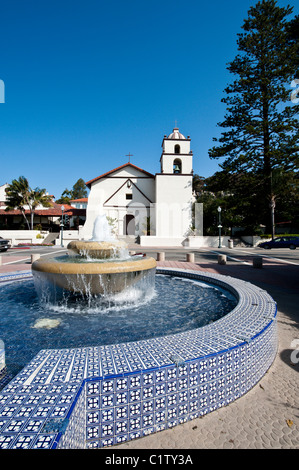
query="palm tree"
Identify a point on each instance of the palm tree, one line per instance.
(16, 196)
(37, 197)
(19, 195)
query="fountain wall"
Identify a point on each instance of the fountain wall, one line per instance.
(101, 396)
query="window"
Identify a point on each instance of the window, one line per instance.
(129, 196)
(177, 148)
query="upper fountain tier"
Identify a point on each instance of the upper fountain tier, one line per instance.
(99, 249)
(103, 244)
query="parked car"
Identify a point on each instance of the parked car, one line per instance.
(281, 242)
(4, 244)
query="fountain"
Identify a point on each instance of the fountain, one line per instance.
(171, 356)
(100, 266)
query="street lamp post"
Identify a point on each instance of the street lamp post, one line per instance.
(61, 226)
(219, 226)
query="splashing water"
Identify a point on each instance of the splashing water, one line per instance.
(101, 230)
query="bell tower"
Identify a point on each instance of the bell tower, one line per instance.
(174, 187)
(176, 155)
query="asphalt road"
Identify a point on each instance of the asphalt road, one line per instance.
(241, 254)
(238, 254)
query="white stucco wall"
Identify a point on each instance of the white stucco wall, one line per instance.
(183, 242)
(23, 236)
(2, 192)
(108, 195)
(167, 162)
(173, 205)
(168, 145)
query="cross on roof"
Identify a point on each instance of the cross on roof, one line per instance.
(129, 155)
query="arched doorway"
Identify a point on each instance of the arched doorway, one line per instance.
(129, 224)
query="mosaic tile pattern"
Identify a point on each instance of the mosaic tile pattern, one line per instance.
(100, 396)
(15, 276)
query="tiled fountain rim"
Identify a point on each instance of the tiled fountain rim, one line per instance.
(252, 316)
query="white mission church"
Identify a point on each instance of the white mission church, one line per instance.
(157, 208)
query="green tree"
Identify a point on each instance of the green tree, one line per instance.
(38, 197)
(285, 194)
(65, 197)
(20, 195)
(17, 193)
(78, 191)
(293, 33)
(243, 193)
(262, 130)
(198, 183)
(240, 195)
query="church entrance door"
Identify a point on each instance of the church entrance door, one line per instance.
(129, 224)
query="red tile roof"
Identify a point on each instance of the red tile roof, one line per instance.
(54, 211)
(83, 199)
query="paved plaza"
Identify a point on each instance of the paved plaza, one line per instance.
(268, 415)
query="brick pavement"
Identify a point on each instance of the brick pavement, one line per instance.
(16, 263)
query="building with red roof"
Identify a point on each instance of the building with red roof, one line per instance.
(46, 218)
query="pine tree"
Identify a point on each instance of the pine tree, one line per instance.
(79, 191)
(262, 127)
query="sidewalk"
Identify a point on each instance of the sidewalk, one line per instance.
(15, 263)
(268, 415)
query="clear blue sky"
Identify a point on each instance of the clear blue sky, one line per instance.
(87, 82)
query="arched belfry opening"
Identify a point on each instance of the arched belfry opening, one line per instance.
(177, 149)
(177, 166)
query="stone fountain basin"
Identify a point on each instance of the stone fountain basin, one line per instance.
(98, 250)
(92, 277)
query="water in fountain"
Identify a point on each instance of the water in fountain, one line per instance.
(29, 324)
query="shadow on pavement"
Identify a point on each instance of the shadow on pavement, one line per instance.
(291, 358)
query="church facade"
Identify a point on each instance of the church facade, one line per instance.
(155, 209)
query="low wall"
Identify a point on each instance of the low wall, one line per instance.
(68, 236)
(253, 240)
(23, 236)
(187, 242)
(162, 241)
(213, 242)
